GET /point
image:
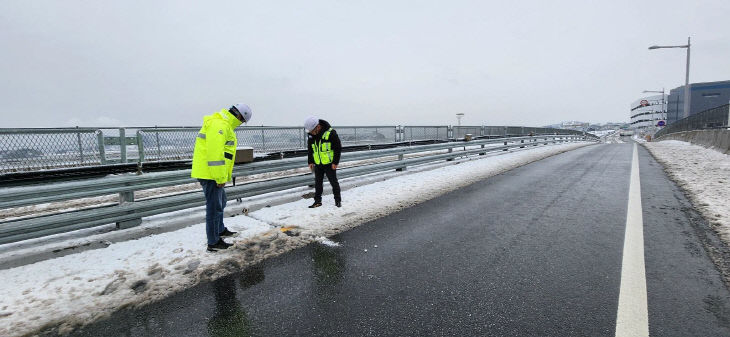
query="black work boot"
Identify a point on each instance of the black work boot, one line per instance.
(338, 203)
(219, 245)
(226, 232)
(315, 204)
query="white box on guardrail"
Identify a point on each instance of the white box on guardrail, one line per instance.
(244, 155)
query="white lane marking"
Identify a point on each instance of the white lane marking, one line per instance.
(632, 318)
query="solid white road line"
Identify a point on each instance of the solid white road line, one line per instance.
(632, 318)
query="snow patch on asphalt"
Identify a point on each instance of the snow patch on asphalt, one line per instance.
(704, 174)
(327, 242)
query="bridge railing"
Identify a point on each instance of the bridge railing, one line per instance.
(129, 211)
(30, 150)
(714, 118)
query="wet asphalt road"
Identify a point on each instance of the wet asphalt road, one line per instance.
(535, 251)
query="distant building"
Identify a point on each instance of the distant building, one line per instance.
(649, 113)
(704, 96)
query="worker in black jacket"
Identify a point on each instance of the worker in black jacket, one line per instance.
(323, 154)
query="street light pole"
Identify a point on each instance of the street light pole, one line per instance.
(687, 89)
(687, 96)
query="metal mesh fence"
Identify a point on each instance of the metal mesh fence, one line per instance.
(41, 149)
(416, 133)
(179, 143)
(363, 135)
(495, 131)
(462, 131)
(708, 119)
(272, 139)
(166, 144)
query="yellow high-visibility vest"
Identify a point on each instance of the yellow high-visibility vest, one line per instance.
(322, 149)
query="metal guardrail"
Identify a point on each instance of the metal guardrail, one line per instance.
(714, 118)
(30, 150)
(129, 212)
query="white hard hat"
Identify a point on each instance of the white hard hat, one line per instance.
(245, 111)
(310, 123)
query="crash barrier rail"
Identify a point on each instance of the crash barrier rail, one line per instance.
(30, 150)
(714, 118)
(129, 212)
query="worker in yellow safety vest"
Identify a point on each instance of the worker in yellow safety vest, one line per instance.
(323, 154)
(213, 158)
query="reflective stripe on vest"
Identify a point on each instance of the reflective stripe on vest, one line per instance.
(322, 150)
(217, 163)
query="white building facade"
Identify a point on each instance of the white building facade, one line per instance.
(649, 114)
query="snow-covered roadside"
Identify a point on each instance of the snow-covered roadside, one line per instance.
(80, 288)
(704, 174)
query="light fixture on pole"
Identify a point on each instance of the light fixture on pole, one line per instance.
(458, 118)
(686, 77)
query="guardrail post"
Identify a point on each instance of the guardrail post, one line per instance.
(451, 150)
(100, 141)
(126, 197)
(400, 158)
(482, 153)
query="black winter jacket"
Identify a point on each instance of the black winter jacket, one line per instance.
(334, 139)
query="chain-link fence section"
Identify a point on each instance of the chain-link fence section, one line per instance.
(159, 144)
(272, 139)
(460, 132)
(417, 133)
(364, 135)
(709, 119)
(24, 150)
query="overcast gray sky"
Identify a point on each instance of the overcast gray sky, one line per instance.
(139, 63)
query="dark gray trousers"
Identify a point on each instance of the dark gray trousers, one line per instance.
(319, 172)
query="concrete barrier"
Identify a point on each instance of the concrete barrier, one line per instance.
(719, 139)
